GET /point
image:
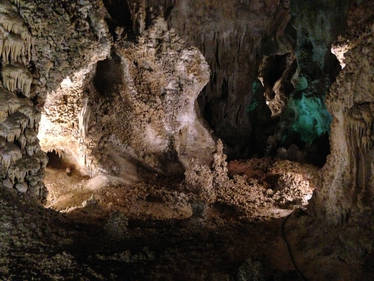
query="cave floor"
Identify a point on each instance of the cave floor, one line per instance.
(42, 244)
(157, 231)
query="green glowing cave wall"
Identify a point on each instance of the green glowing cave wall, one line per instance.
(307, 117)
(316, 26)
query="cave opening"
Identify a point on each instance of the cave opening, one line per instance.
(108, 76)
(55, 160)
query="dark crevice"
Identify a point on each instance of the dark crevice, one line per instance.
(108, 76)
(55, 160)
(120, 16)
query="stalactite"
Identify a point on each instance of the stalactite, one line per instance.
(20, 152)
(12, 22)
(16, 2)
(14, 49)
(6, 8)
(9, 154)
(83, 118)
(17, 77)
(22, 141)
(32, 148)
(10, 130)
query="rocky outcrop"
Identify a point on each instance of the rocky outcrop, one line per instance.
(136, 106)
(347, 187)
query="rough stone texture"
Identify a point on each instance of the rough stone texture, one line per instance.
(119, 99)
(245, 42)
(158, 122)
(347, 186)
(137, 105)
(260, 188)
(22, 162)
(230, 35)
(34, 24)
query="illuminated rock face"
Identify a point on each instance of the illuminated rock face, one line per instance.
(32, 65)
(136, 105)
(144, 112)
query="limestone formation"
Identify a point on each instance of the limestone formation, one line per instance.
(181, 139)
(17, 114)
(347, 185)
(156, 123)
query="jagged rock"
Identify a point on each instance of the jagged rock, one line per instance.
(158, 122)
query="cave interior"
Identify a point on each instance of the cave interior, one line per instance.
(187, 140)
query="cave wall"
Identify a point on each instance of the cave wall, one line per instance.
(230, 35)
(347, 185)
(22, 162)
(65, 72)
(150, 117)
(41, 44)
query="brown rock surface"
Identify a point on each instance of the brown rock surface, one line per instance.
(139, 189)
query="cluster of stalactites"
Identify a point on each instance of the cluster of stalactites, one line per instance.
(21, 160)
(17, 77)
(15, 38)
